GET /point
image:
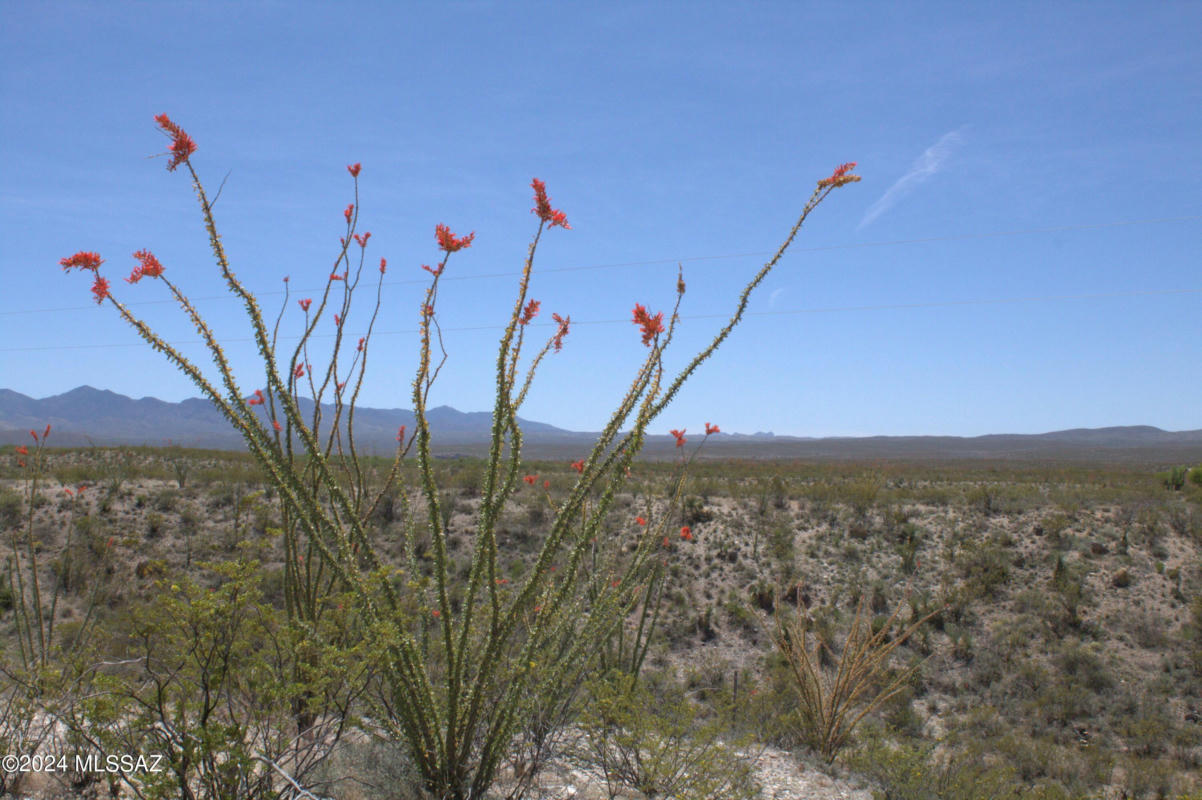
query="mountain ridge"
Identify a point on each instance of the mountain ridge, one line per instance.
(87, 415)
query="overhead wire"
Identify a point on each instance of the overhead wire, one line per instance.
(625, 320)
(680, 260)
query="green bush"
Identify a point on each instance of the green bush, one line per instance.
(914, 772)
(1173, 479)
(12, 507)
(660, 744)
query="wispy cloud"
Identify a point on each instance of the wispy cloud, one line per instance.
(927, 164)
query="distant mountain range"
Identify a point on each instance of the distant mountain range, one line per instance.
(88, 416)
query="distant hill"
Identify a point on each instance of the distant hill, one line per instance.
(86, 416)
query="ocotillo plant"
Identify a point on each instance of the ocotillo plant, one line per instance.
(460, 657)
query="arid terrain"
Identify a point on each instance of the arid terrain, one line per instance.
(1062, 657)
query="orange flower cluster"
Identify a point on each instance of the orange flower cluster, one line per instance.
(182, 147)
(840, 176)
(100, 288)
(82, 260)
(651, 325)
(542, 207)
(448, 241)
(711, 429)
(529, 312)
(679, 434)
(148, 267)
(564, 322)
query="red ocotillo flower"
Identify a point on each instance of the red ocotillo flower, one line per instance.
(578, 465)
(148, 267)
(350, 209)
(448, 241)
(304, 304)
(400, 434)
(546, 484)
(840, 176)
(182, 147)
(564, 322)
(679, 434)
(529, 312)
(362, 339)
(640, 521)
(362, 240)
(100, 288)
(686, 533)
(650, 325)
(711, 429)
(353, 169)
(530, 479)
(435, 271)
(383, 266)
(542, 207)
(22, 450)
(275, 423)
(299, 372)
(82, 260)
(257, 400)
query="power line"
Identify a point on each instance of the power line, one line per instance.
(682, 260)
(625, 320)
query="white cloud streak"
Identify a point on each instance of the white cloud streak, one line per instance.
(927, 164)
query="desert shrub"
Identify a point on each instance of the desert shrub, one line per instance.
(1173, 478)
(156, 525)
(831, 703)
(914, 771)
(985, 569)
(694, 512)
(208, 682)
(165, 500)
(1054, 526)
(6, 596)
(11, 508)
(860, 494)
(659, 743)
(982, 498)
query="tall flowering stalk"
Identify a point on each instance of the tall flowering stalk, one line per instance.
(460, 656)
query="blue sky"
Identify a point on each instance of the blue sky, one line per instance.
(1021, 255)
